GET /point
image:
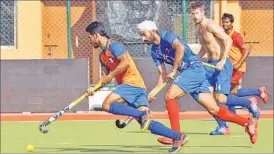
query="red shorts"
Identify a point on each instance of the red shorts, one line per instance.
(236, 77)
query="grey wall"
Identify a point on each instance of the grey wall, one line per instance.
(260, 73)
(42, 85)
(50, 85)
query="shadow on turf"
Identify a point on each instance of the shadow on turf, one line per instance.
(107, 148)
(195, 133)
(132, 148)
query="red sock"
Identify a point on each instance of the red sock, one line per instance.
(173, 109)
(226, 115)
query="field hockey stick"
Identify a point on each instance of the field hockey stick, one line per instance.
(209, 65)
(42, 127)
(120, 124)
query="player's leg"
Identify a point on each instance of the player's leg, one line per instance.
(242, 92)
(222, 128)
(234, 90)
(208, 101)
(261, 92)
(141, 102)
(235, 83)
(211, 74)
(223, 96)
(188, 81)
(172, 95)
(115, 103)
(172, 106)
(222, 92)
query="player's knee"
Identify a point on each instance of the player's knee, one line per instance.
(213, 110)
(220, 98)
(169, 95)
(234, 91)
(143, 108)
(106, 106)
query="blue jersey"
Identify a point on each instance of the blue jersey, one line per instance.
(165, 53)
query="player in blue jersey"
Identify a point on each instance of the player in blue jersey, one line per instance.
(170, 49)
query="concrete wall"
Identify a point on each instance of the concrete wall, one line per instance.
(42, 85)
(260, 73)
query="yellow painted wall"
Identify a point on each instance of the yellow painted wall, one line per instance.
(29, 36)
(259, 28)
(39, 25)
(232, 7)
(55, 30)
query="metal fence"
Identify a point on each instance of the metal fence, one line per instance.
(57, 27)
(8, 24)
(122, 18)
(257, 26)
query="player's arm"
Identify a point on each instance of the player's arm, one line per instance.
(121, 67)
(177, 45)
(245, 54)
(160, 81)
(104, 70)
(239, 42)
(202, 52)
(162, 75)
(219, 33)
(119, 51)
(160, 66)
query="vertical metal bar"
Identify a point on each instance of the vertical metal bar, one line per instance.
(184, 18)
(69, 29)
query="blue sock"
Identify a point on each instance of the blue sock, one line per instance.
(221, 123)
(248, 92)
(232, 108)
(124, 109)
(160, 129)
(233, 100)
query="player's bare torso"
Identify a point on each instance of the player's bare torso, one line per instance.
(209, 42)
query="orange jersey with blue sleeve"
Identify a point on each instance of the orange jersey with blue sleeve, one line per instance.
(236, 49)
(109, 59)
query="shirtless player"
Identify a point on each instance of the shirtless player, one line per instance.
(216, 44)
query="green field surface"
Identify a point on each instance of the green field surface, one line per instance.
(104, 137)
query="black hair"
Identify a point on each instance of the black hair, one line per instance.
(228, 16)
(97, 27)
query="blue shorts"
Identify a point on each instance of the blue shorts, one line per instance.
(134, 96)
(193, 80)
(220, 80)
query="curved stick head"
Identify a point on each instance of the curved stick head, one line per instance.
(43, 129)
(119, 124)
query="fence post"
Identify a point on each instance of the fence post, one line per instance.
(95, 65)
(69, 28)
(184, 19)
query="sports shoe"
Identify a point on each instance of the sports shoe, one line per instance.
(221, 130)
(178, 144)
(165, 140)
(252, 129)
(145, 121)
(253, 108)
